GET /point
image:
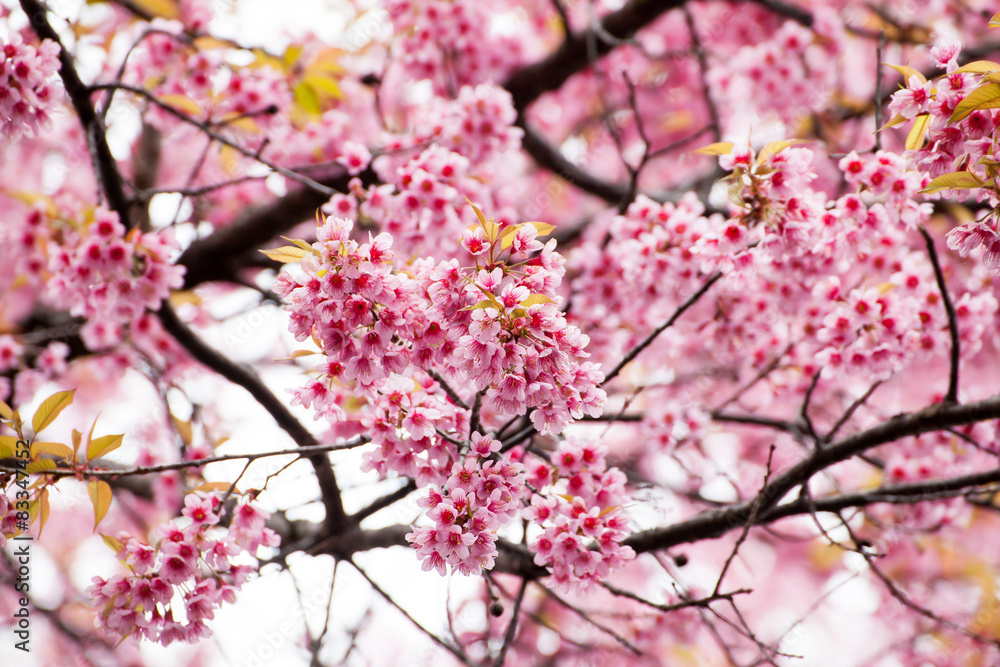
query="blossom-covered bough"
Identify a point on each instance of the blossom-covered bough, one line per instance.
(654, 332)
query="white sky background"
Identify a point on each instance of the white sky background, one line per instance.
(265, 626)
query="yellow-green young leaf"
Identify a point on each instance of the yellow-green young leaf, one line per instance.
(54, 448)
(907, 72)
(535, 299)
(323, 86)
(33, 198)
(307, 100)
(485, 303)
(292, 54)
(8, 446)
(479, 214)
(50, 409)
(40, 465)
(543, 228)
(182, 103)
(507, 236)
(995, 21)
(302, 353)
(915, 139)
(959, 180)
(303, 244)
(112, 543)
(991, 76)
(895, 120)
(77, 438)
(100, 497)
(986, 96)
(5, 412)
(774, 148)
(286, 254)
(718, 148)
(106, 444)
(43, 510)
(979, 67)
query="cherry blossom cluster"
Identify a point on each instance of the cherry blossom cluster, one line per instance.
(422, 203)
(786, 72)
(352, 303)
(579, 506)
(406, 420)
(451, 42)
(510, 337)
(188, 572)
(248, 90)
(959, 149)
(28, 90)
(482, 493)
(111, 278)
(499, 327)
(478, 124)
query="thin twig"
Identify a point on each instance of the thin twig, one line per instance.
(949, 307)
(512, 626)
(634, 352)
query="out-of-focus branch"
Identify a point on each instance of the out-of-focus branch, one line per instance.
(528, 83)
(222, 254)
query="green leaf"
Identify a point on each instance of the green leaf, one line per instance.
(40, 465)
(915, 139)
(979, 67)
(54, 448)
(995, 21)
(43, 510)
(535, 299)
(100, 497)
(485, 303)
(98, 447)
(895, 120)
(307, 99)
(113, 543)
(8, 446)
(907, 72)
(5, 412)
(718, 148)
(50, 409)
(543, 228)
(986, 96)
(182, 103)
(287, 254)
(959, 180)
(774, 148)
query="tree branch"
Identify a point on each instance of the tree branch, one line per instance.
(336, 518)
(528, 83)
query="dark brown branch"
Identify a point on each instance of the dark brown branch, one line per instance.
(547, 157)
(952, 395)
(231, 248)
(336, 518)
(714, 523)
(528, 83)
